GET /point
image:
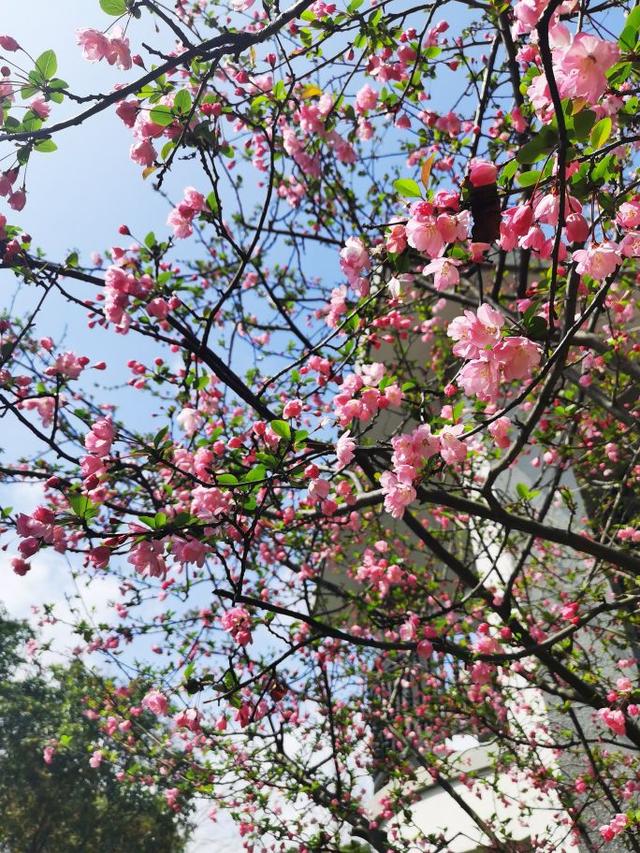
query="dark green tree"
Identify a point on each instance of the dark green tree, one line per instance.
(67, 805)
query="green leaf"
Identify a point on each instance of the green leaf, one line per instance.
(280, 91)
(299, 437)
(542, 143)
(601, 132)
(47, 64)
(162, 115)
(182, 102)
(528, 179)
(629, 35)
(537, 328)
(281, 428)
(83, 507)
(212, 202)
(354, 5)
(507, 172)
(408, 188)
(226, 480)
(256, 474)
(160, 436)
(46, 146)
(583, 122)
(113, 7)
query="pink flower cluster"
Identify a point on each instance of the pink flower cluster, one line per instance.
(100, 437)
(410, 452)
(580, 65)
(37, 529)
(237, 621)
(615, 827)
(614, 719)
(377, 570)
(119, 287)
(68, 364)
(156, 702)
(370, 399)
(491, 358)
(182, 216)
(355, 264)
(96, 46)
(521, 226)
(16, 198)
(147, 558)
(429, 230)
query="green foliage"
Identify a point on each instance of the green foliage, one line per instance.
(113, 7)
(408, 188)
(66, 806)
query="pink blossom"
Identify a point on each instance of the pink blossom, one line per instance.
(94, 44)
(614, 719)
(517, 357)
(292, 409)
(527, 14)
(354, 259)
(630, 245)
(480, 377)
(452, 449)
(616, 826)
(143, 153)
(499, 430)
(397, 495)
(366, 99)
(128, 111)
(423, 234)
(345, 450)
(189, 719)
(181, 217)
(584, 65)
(158, 308)
(189, 420)
(100, 437)
(208, 503)
(156, 702)
(147, 559)
(118, 52)
(96, 759)
(598, 260)
(474, 333)
(48, 753)
(444, 271)
(628, 215)
(20, 566)
(409, 629)
(40, 107)
(17, 199)
(237, 621)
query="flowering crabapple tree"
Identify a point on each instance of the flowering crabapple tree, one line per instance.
(386, 489)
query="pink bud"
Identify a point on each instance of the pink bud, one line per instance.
(482, 173)
(577, 228)
(9, 43)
